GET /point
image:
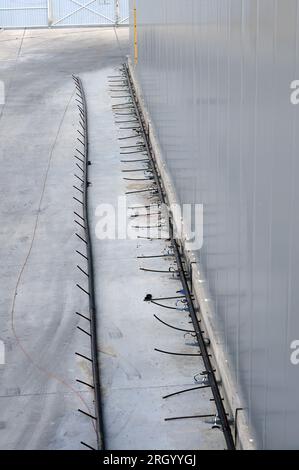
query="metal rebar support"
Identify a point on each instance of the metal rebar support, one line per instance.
(205, 356)
(91, 288)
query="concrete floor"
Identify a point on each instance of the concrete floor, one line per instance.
(38, 392)
(134, 376)
(39, 395)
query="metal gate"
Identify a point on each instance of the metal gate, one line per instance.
(56, 13)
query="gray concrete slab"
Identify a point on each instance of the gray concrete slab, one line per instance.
(134, 376)
(38, 392)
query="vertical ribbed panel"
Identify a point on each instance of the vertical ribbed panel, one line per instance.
(19, 13)
(216, 75)
(26, 13)
(124, 11)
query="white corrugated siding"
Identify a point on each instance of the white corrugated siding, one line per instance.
(124, 12)
(27, 13)
(18, 13)
(215, 76)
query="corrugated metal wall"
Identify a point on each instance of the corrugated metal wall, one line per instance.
(216, 79)
(19, 13)
(28, 13)
(124, 12)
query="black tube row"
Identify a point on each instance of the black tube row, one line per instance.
(180, 258)
(83, 166)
